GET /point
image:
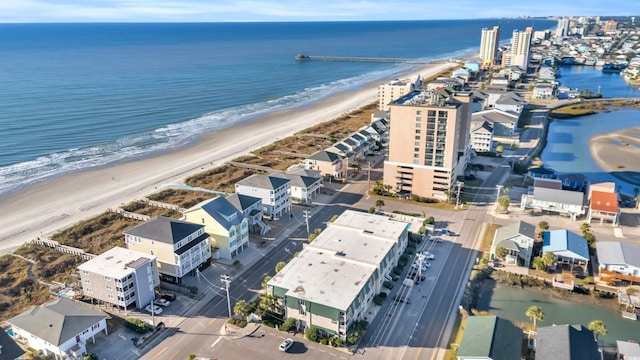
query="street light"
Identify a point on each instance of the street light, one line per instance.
(227, 281)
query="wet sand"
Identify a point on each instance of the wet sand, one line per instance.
(618, 153)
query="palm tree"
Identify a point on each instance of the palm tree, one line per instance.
(506, 187)
(636, 195)
(242, 308)
(379, 204)
(543, 225)
(280, 265)
(585, 228)
(598, 327)
(535, 313)
(504, 201)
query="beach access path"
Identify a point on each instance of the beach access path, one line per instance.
(46, 207)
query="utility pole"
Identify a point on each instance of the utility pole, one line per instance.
(225, 279)
(459, 184)
(306, 220)
(420, 260)
(499, 188)
(369, 176)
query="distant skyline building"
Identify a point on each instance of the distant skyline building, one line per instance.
(563, 28)
(396, 89)
(489, 43)
(610, 26)
(519, 52)
(428, 143)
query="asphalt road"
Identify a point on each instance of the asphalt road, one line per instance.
(399, 331)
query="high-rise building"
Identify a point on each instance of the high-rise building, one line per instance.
(563, 28)
(428, 143)
(519, 52)
(489, 45)
(396, 89)
(610, 26)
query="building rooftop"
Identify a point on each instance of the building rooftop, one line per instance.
(222, 211)
(432, 98)
(628, 349)
(379, 225)
(57, 321)
(618, 253)
(515, 229)
(494, 115)
(490, 337)
(559, 196)
(354, 244)
(604, 201)
(164, 229)
(566, 244)
(116, 262)
(323, 277)
(9, 349)
(263, 182)
(242, 202)
(300, 181)
(569, 342)
(325, 156)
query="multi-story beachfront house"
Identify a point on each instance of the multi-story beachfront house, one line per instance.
(274, 192)
(517, 238)
(328, 163)
(303, 188)
(429, 143)
(181, 247)
(121, 277)
(57, 329)
(482, 137)
(227, 226)
(502, 122)
(251, 208)
(548, 195)
(330, 284)
(618, 261)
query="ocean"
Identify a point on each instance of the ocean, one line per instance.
(76, 96)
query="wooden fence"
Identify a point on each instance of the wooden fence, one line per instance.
(130, 215)
(63, 248)
(162, 205)
(250, 166)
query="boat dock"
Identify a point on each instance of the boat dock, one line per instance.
(303, 57)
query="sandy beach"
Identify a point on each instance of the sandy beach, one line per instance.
(52, 205)
(617, 152)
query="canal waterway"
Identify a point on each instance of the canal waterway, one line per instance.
(567, 149)
(512, 303)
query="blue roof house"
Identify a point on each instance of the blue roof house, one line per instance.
(568, 247)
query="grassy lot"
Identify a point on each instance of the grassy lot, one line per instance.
(149, 210)
(182, 198)
(591, 107)
(19, 291)
(50, 265)
(456, 338)
(97, 234)
(488, 238)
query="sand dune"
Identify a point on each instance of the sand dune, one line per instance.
(43, 208)
(618, 153)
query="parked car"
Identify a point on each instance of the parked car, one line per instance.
(413, 275)
(168, 296)
(157, 310)
(402, 299)
(286, 344)
(427, 255)
(162, 302)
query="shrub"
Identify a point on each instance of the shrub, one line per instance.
(312, 333)
(137, 325)
(372, 210)
(288, 325)
(336, 341)
(324, 341)
(388, 285)
(404, 257)
(237, 322)
(428, 221)
(397, 270)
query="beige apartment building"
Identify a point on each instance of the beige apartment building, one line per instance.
(396, 89)
(428, 143)
(489, 42)
(520, 50)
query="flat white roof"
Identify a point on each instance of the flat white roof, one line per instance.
(333, 269)
(378, 225)
(322, 277)
(358, 245)
(113, 262)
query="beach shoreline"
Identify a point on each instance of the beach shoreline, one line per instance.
(40, 209)
(617, 152)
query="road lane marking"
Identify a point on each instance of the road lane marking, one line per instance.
(160, 353)
(173, 356)
(217, 341)
(212, 321)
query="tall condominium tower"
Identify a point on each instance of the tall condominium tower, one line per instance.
(563, 28)
(489, 46)
(428, 143)
(518, 55)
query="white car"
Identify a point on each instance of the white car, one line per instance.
(286, 344)
(157, 310)
(162, 302)
(427, 255)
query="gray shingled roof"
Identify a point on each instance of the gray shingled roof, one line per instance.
(490, 337)
(567, 342)
(485, 125)
(559, 196)
(8, 348)
(304, 172)
(325, 156)
(493, 116)
(242, 202)
(297, 180)
(57, 321)
(263, 181)
(164, 229)
(618, 253)
(510, 99)
(222, 211)
(512, 230)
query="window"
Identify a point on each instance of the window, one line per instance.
(417, 131)
(87, 281)
(417, 124)
(107, 278)
(301, 307)
(85, 272)
(151, 252)
(417, 137)
(416, 155)
(417, 143)
(416, 149)
(418, 112)
(418, 118)
(109, 287)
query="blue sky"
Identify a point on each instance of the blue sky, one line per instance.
(297, 10)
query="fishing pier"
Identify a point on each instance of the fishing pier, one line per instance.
(303, 57)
